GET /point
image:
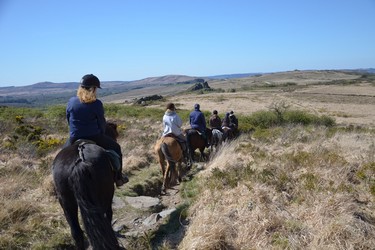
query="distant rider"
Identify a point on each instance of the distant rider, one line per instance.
(215, 121)
(230, 124)
(198, 122)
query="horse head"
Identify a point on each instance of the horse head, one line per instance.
(111, 130)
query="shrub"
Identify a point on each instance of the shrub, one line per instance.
(124, 111)
(45, 145)
(262, 119)
(267, 135)
(56, 112)
(326, 121)
(298, 117)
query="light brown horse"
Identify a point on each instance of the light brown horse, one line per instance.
(168, 150)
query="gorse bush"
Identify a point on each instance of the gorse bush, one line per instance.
(297, 117)
(268, 119)
(117, 111)
(259, 119)
(45, 145)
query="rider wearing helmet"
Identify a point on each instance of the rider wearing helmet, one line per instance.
(85, 116)
(172, 125)
(198, 122)
(233, 121)
(215, 121)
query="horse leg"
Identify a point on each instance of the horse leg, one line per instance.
(166, 178)
(70, 207)
(109, 214)
(203, 156)
(162, 162)
(173, 174)
(179, 170)
(109, 211)
(191, 153)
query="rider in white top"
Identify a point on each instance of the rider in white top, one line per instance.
(172, 125)
(171, 121)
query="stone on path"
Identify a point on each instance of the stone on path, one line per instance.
(144, 202)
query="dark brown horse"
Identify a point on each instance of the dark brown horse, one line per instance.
(168, 149)
(229, 133)
(84, 179)
(195, 141)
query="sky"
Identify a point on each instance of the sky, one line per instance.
(125, 40)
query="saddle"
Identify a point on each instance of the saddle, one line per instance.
(196, 130)
(171, 135)
(182, 143)
(114, 158)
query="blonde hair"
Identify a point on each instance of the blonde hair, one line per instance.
(86, 95)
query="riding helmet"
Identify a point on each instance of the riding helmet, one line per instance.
(90, 80)
(214, 112)
(197, 106)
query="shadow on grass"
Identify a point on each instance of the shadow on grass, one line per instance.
(172, 232)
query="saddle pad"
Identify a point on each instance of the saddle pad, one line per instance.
(84, 141)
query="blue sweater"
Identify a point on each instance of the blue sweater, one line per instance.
(197, 121)
(85, 119)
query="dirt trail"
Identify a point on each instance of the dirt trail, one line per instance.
(138, 225)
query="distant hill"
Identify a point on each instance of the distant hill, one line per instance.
(230, 76)
(368, 71)
(46, 93)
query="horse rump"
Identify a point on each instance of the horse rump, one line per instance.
(170, 174)
(86, 183)
(89, 188)
(169, 153)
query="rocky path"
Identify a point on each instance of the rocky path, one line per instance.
(144, 216)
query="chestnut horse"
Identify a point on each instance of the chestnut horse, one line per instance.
(168, 150)
(84, 179)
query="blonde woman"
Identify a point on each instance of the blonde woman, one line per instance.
(85, 115)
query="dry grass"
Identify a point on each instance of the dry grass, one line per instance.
(281, 188)
(29, 211)
(303, 195)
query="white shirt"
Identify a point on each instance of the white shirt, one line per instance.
(172, 123)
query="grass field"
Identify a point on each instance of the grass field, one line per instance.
(293, 185)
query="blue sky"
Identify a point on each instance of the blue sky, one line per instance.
(60, 41)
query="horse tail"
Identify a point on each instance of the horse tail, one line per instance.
(170, 169)
(167, 154)
(98, 227)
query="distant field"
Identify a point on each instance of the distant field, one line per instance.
(348, 98)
